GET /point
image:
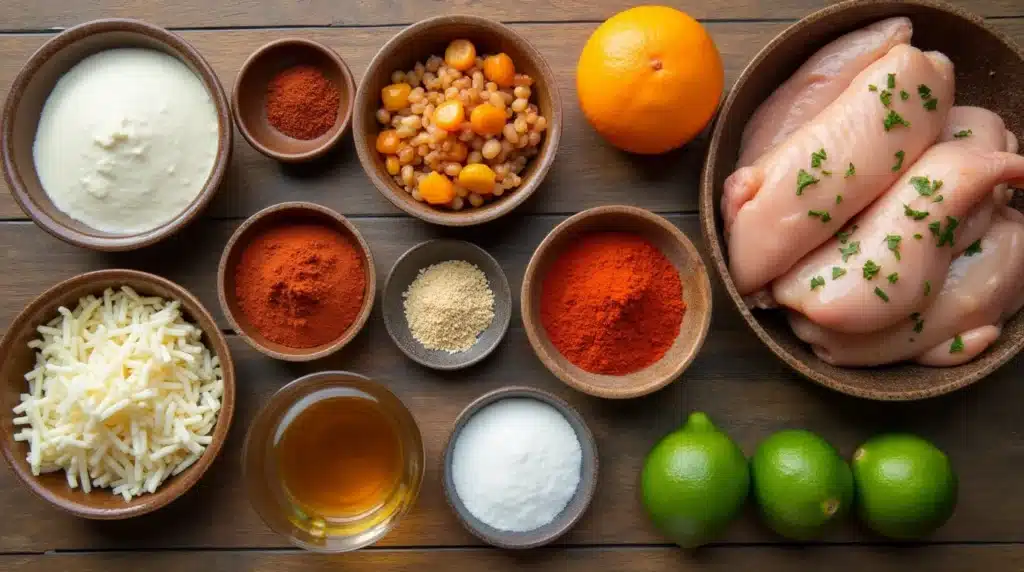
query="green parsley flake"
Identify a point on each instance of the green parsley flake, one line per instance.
(844, 235)
(974, 248)
(872, 87)
(826, 172)
(804, 180)
(931, 104)
(918, 322)
(893, 242)
(817, 157)
(957, 346)
(924, 91)
(945, 235)
(817, 281)
(925, 186)
(823, 215)
(886, 96)
(881, 294)
(838, 272)
(850, 250)
(918, 236)
(893, 119)
(904, 95)
(871, 269)
(963, 133)
(891, 81)
(893, 278)
(899, 161)
(839, 199)
(927, 287)
(850, 171)
(937, 199)
(916, 215)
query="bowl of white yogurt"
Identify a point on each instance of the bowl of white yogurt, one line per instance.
(116, 133)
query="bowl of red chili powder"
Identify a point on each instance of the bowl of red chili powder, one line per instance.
(296, 281)
(292, 99)
(616, 302)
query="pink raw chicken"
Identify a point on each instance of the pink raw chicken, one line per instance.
(817, 83)
(980, 292)
(766, 221)
(858, 303)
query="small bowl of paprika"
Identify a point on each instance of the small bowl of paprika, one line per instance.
(292, 99)
(616, 302)
(296, 281)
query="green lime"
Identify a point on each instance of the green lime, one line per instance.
(800, 483)
(906, 487)
(694, 482)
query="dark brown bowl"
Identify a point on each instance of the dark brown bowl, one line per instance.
(16, 359)
(988, 71)
(24, 106)
(248, 99)
(430, 37)
(271, 216)
(696, 294)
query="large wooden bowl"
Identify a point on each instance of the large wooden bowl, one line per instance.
(24, 107)
(696, 294)
(989, 68)
(417, 43)
(17, 359)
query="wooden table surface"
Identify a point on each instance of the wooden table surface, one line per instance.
(734, 379)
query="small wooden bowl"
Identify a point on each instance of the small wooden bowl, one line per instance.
(988, 71)
(24, 106)
(272, 216)
(248, 99)
(430, 37)
(17, 359)
(405, 270)
(572, 512)
(696, 293)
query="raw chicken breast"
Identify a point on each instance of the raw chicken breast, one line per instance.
(818, 83)
(765, 207)
(981, 290)
(889, 273)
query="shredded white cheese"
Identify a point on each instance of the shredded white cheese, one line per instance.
(124, 394)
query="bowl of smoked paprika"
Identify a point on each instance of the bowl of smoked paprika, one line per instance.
(296, 281)
(616, 302)
(292, 99)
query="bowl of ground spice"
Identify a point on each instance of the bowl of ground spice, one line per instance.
(616, 302)
(296, 281)
(292, 99)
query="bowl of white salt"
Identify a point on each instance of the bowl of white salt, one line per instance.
(520, 467)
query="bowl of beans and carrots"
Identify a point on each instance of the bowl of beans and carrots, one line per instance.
(457, 120)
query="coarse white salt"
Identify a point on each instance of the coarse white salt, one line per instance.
(516, 464)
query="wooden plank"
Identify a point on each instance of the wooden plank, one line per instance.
(587, 172)
(954, 558)
(40, 14)
(735, 379)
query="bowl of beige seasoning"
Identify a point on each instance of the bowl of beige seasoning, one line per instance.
(447, 304)
(116, 134)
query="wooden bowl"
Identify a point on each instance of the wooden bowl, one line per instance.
(430, 37)
(248, 99)
(696, 293)
(17, 359)
(281, 213)
(24, 106)
(569, 516)
(988, 71)
(405, 270)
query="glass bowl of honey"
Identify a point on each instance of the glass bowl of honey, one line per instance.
(333, 461)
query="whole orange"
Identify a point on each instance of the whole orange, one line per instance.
(649, 79)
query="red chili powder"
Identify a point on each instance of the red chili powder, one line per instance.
(302, 103)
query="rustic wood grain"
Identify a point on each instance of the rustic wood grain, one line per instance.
(39, 14)
(734, 379)
(586, 173)
(712, 559)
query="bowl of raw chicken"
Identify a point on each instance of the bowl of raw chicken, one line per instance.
(858, 198)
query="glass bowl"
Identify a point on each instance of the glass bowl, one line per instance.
(279, 508)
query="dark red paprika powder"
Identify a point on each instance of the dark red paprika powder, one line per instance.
(302, 103)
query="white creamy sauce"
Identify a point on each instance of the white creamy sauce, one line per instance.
(126, 141)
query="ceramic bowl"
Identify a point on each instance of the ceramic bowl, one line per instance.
(988, 68)
(569, 516)
(17, 359)
(248, 99)
(430, 37)
(24, 106)
(403, 273)
(696, 294)
(285, 213)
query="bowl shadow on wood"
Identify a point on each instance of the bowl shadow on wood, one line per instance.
(696, 294)
(17, 359)
(988, 71)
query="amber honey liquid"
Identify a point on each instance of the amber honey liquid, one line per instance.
(340, 457)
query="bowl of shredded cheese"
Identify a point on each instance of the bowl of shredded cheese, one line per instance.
(119, 391)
